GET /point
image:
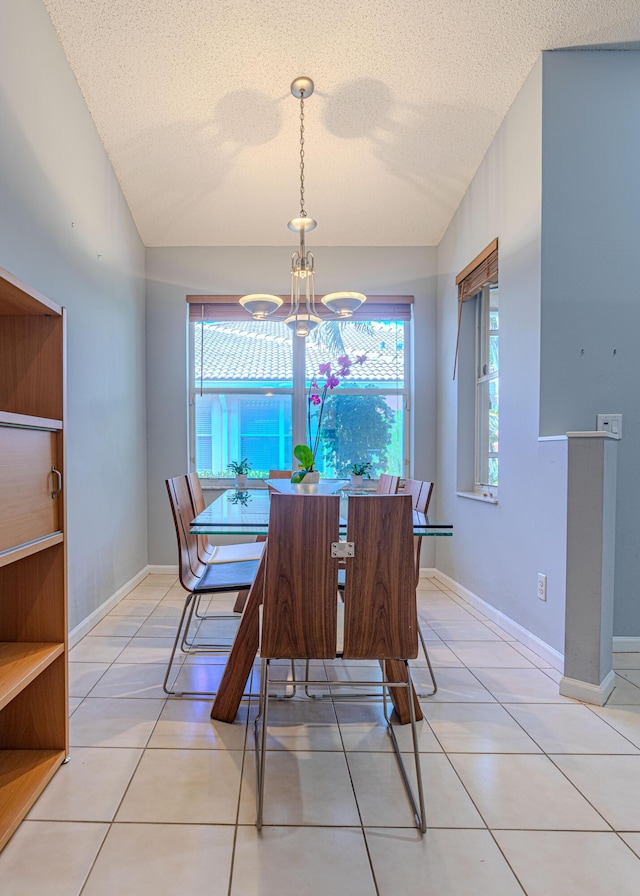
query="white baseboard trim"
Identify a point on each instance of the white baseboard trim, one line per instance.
(626, 645)
(155, 570)
(544, 650)
(598, 694)
(94, 618)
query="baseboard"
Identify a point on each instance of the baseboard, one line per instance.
(598, 694)
(544, 650)
(155, 570)
(626, 645)
(76, 634)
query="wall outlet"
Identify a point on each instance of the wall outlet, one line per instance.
(610, 423)
(542, 586)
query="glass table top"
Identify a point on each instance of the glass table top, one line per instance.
(246, 512)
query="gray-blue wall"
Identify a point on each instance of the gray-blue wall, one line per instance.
(497, 550)
(590, 290)
(65, 229)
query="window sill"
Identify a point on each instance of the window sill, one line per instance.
(486, 499)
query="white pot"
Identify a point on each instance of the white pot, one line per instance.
(241, 480)
(311, 478)
(356, 481)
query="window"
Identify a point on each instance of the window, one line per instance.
(477, 362)
(249, 390)
(487, 389)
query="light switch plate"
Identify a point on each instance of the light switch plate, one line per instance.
(610, 423)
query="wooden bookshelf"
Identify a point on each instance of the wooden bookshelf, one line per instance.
(34, 737)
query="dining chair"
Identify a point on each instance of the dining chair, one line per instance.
(387, 485)
(303, 619)
(420, 493)
(278, 474)
(199, 579)
(221, 553)
(225, 553)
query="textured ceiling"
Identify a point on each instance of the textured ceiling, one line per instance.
(191, 99)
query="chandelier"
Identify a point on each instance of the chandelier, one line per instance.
(302, 315)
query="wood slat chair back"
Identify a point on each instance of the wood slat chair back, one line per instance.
(387, 485)
(300, 591)
(197, 500)
(380, 613)
(278, 474)
(412, 487)
(190, 566)
(424, 498)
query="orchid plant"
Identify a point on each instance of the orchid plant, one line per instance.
(318, 392)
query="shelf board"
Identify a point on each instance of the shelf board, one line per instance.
(22, 662)
(23, 776)
(27, 420)
(18, 298)
(29, 548)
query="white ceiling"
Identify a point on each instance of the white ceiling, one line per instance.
(191, 99)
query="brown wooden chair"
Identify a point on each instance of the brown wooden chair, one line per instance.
(387, 485)
(199, 579)
(278, 474)
(420, 493)
(303, 619)
(223, 553)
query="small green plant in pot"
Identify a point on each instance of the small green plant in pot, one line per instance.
(241, 469)
(306, 465)
(358, 471)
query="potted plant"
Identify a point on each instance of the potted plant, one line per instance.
(316, 399)
(240, 468)
(358, 471)
(306, 460)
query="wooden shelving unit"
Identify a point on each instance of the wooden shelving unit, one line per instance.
(34, 738)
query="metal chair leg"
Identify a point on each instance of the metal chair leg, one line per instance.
(418, 808)
(426, 656)
(261, 755)
(187, 607)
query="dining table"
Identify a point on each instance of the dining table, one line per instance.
(245, 512)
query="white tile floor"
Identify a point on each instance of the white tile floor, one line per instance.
(527, 792)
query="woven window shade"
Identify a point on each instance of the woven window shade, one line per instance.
(229, 308)
(481, 272)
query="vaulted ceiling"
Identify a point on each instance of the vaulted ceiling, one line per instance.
(192, 101)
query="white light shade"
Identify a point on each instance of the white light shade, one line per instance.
(260, 304)
(302, 323)
(302, 225)
(343, 303)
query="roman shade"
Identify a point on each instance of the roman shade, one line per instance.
(229, 308)
(481, 272)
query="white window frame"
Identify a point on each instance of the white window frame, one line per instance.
(299, 398)
(483, 377)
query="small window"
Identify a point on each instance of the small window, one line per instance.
(477, 363)
(487, 389)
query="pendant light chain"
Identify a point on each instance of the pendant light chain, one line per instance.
(303, 213)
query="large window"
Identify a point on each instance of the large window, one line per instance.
(250, 387)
